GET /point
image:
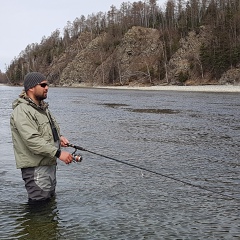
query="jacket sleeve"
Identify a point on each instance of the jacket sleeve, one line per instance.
(28, 128)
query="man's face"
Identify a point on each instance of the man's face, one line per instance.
(41, 90)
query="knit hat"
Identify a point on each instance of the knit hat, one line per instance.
(32, 79)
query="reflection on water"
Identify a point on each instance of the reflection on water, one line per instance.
(193, 137)
(158, 111)
(38, 221)
(115, 105)
(143, 110)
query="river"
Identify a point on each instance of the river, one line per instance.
(189, 142)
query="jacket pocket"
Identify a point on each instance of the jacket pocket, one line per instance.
(44, 127)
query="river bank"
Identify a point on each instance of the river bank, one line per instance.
(202, 88)
(199, 88)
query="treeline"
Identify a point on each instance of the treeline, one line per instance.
(3, 78)
(174, 21)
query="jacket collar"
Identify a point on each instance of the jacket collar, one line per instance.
(43, 105)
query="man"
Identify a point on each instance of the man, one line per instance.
(36, 139)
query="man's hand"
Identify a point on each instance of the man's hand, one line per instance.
(66, 157)
(63, 141)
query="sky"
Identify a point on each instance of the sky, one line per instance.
(28, 21)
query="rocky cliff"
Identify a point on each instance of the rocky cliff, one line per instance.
(135, 60)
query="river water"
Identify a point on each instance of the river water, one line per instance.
(191, 142)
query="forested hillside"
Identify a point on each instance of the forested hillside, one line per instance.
(184, 42)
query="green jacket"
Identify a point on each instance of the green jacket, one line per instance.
(32, 136)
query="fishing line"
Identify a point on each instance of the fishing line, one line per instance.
(154, 172)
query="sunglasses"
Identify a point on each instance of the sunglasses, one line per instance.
(43, 85)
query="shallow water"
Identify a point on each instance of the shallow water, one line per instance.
(183, 137)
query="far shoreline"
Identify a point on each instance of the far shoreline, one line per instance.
(195, 88)
(189, 88)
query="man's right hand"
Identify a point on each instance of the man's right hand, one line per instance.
(66, 157)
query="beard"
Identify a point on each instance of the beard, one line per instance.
(41, 97)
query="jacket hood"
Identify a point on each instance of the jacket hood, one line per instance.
(24, 99)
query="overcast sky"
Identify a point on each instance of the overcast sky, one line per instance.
(27, 21)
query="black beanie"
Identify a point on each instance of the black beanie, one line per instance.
(32, 79)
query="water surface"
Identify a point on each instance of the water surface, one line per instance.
(190, 137)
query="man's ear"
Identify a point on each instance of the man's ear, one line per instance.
(31, 89)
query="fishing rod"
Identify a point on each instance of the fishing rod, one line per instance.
(148, 170)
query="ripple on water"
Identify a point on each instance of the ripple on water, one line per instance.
(186, 136)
